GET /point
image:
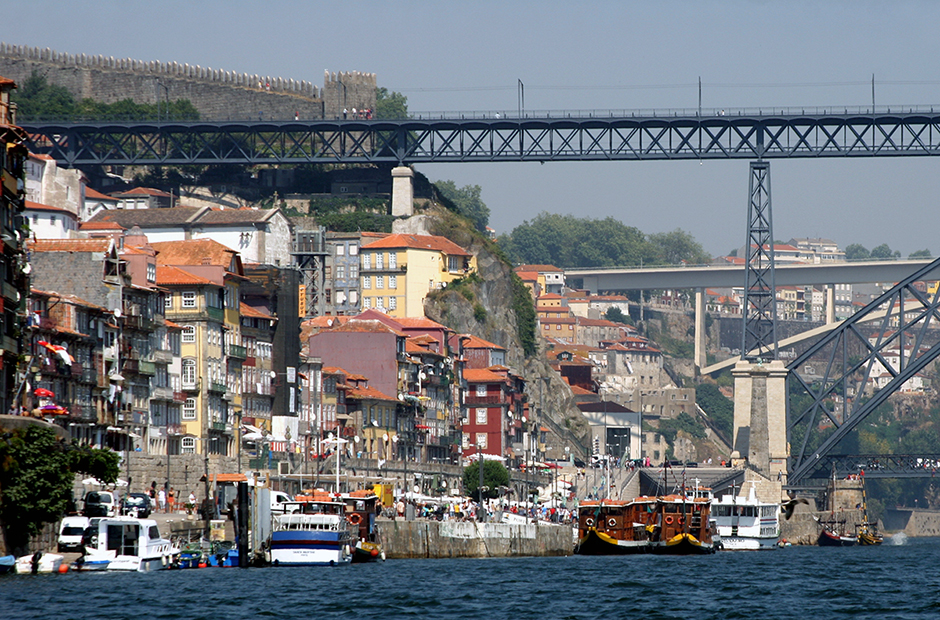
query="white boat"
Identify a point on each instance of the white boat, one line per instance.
(125, 543)
(44, 563)
(746, 523)
(317, 534)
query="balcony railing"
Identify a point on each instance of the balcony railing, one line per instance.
(161, 393)
(217, 387)
(162, 356)
(190, 387)
(473, 399)
(146, 368)
(179, 397)
(238, 351)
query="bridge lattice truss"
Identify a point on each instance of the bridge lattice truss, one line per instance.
(903, 340)
(751, 137)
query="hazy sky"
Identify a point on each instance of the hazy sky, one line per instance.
(585, 55)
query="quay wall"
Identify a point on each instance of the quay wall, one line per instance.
(469, 539)
(912, 522)
(802, 528)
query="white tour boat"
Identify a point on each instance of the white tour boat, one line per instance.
(746, 523)
(314, 533)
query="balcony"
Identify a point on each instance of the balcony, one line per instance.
(179, 397)
(161, 393)
(218, 426)
(9, 291)
(217, 387)
(216, 314)
(83, 413)
(146, 368)
(250, 361)
(174, 429)
(381, 270)
(190, 387)
(47, 323)
(162, 356)
(237, 351)
(473, 399)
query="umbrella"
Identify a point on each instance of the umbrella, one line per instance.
(43, 393)
(91, 482)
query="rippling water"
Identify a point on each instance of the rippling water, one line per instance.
(891, 581)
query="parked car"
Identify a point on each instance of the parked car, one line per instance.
(136, 505)
(279, 501)
(70, 533)
(100, 504)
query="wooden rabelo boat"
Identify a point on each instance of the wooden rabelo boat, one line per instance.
(671, 525)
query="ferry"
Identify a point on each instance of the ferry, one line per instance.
(314, 532)
(125, 543)
(746, 523)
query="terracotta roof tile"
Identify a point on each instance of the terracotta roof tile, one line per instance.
(38, 206)
(418, 242)
(149, 218)
(479, 343)
(94, 194)
(250, 311)
(482, 375)
(168, 275)
(194, 252)
(368, 393)
(537, 268)
(143, 191)
(370, 326)
(70, 245)
(100, 226)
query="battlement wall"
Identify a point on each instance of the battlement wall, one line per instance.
(217, 94)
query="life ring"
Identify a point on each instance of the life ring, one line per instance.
(669, 520)
(611, 522)
(681, 521)
(589, 522)
(355, 518)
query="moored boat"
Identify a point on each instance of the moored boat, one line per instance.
(616, 527)
(746, 523)
(360, 511)
(832, 534)
(125, 543)
(315, 532)
(39, 562)
(685, 526)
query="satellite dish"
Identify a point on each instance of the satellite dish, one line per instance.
(385, 437)
(356, 438)
(273, 374)
(395, 439)
(401, 396)
(117, 313)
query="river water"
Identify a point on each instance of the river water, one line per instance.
(892, 581)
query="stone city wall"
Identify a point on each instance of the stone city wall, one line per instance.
(468, 539)
(217, 94)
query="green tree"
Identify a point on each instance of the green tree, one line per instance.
(884, 252)
(678, 246)
(856, 251)
(36, 474)
(718, 407)
(616, 315)
(390, 105)
(467, 201)
(37, 99)
(920, 254)
(495, 475)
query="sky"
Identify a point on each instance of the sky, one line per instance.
(462, 56)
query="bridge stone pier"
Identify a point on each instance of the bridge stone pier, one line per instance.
(760, 417)
(403, 191)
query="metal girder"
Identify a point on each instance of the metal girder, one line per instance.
(751, 136)
(879, 466)
(759, 336)
(904, 340)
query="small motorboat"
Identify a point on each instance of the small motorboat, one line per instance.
(7, 564)
(39, 562)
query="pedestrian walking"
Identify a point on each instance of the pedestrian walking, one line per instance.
(161, 499)
(171, 500)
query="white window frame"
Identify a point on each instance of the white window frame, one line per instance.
(189, 299)
(393, 282)
(366, 282)
(481, 441)
(481, 415)
(392, 260)
(189, 334)
(481, 390)
(379, 282)
(189, 409)
(188, 445)
(393, 303)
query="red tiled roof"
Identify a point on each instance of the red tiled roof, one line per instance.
(94, 194)
(580, 390)
(246, 310)
(357, 325)
(537, 268)
(143, 191)
(194, 252)
(38, 206)
(420, 322)
(418, 242)
(482, 375)
(528, 276)
(367, 393)
(479, 343)
(168, 275)
(100, 226)
(70, 245)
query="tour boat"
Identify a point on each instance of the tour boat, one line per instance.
(832, 533)
(684, 526)
(125, 543)
(867, 530)
(746, 523)
(314, 532)
(616, 527)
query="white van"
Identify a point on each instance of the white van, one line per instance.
(70, 533)
(278, 502)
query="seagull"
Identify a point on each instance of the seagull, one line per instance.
(788, 507)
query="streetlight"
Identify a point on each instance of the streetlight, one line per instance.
(337, 442)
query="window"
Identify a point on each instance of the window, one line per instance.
(367, 261)
(393, 282)
(188, 445)
(168, 301)
(189, 299)
(341, 250)
(189, 333)
(481, 441)
(481, 415)
(189, 409)
(151, 272)
(366, 282)
(353, 271)
(481, 390)
(366, 302)
(353, 248)
(353, 297)
(393, 303)
(379, 281)
(378, 260)
(392, 260)
(380, 303)
(453, 263)
(340, 297)
(340, 272)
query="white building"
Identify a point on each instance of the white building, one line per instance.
(46, 222)
(47, 184)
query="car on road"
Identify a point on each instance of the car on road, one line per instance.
(136, 505)
(100, 504)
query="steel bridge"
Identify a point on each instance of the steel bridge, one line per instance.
(564, 136)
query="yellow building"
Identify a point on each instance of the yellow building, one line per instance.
(204, 278)
(398, 271)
